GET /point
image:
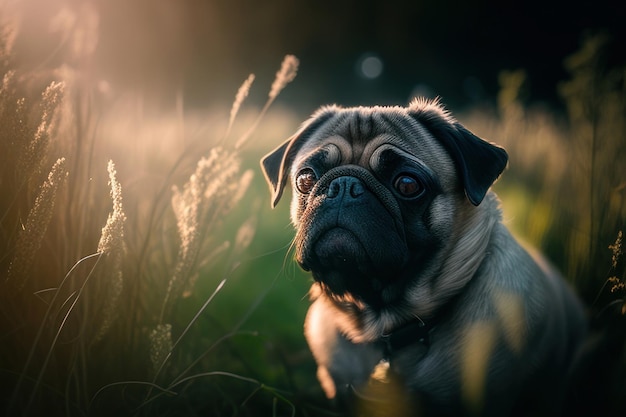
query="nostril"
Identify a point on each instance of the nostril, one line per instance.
(344, 185)
(333, 189)
(356, 189)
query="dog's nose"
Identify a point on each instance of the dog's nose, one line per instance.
(345, 187)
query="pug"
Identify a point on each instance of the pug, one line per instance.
(422, 300)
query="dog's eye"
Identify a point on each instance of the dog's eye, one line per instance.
(408, 186)
(305, 180)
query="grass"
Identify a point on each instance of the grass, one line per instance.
(143, 273)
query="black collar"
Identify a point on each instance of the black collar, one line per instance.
(414, 332)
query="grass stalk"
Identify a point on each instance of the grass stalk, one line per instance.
(286, 74)
(191, 322)
(56, 338)
(40, 331)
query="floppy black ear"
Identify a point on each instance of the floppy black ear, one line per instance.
(276, 164)
(273, 167)
(478, 162)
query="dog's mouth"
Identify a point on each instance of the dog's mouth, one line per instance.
(339, 249)
(339, 261)
(348, 265)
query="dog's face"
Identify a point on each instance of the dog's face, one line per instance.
(378, 195)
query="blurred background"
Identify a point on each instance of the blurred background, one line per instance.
(161, 282)
(204, 49)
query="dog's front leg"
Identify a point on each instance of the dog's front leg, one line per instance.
(343, 367)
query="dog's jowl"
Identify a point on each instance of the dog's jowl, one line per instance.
(422, 303)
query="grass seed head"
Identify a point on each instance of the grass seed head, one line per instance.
(112, 246)
(286, 74)
(160, 345)
(242, 93)
(616, 249)
(32, 233)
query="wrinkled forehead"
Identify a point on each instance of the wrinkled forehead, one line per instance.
(357, 133)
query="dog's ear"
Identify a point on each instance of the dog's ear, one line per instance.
(275, 169)
(478, 162)
(276, 164)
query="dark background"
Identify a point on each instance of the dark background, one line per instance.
(451, 48)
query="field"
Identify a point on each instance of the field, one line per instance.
(142, 271)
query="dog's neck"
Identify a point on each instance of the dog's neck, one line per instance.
(461, 260)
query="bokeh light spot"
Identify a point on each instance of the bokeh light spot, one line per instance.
(370, 66)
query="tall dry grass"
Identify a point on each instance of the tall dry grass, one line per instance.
(565, 188)
(97, 274)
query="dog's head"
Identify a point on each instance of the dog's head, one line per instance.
(378, 193)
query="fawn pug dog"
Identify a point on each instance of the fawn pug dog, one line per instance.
(416, 279)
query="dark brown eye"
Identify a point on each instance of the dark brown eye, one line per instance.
(305, 181)
(408, 186)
